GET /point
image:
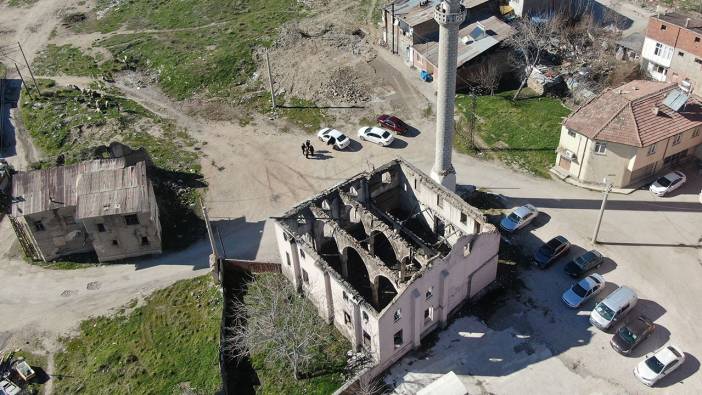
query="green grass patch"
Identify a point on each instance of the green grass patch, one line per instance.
(209, 59)
(523, 134)
(69, 60)
(173, 338)
(305, 114)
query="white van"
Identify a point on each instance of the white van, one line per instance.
(612, 308)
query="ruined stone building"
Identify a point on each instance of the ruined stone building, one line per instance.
(105, 205)
(386, 256)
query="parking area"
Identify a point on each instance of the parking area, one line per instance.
(530, 339)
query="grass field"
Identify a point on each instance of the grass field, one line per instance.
(69, 60)
(156, 348)
(523, 134)
(193, 46)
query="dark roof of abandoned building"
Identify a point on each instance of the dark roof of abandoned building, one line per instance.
(626, 115)
(90, 186)
(678, 19)
(634, 42)
(496, 31)
(116, 191)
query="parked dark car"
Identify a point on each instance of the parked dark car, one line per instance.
(584, 263)
(632, 334)
(393, 123)
(551, 251)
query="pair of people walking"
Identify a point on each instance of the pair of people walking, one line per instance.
(307, 149)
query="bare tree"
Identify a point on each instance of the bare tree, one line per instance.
(486, 75)
(277, 322)
(530, 40)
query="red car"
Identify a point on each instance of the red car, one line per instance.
(393, 123)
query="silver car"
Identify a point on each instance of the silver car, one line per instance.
(519, 218)
(583, 290)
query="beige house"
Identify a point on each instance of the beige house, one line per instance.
(629, 134)
(386, 256)
(103, 205)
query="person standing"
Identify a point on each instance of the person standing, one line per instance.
(310, 149)
(304, 150)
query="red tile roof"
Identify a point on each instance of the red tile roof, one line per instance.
(625, 115)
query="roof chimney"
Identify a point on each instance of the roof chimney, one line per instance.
(687, 22)
(656, 110)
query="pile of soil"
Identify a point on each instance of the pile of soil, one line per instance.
(305, 63)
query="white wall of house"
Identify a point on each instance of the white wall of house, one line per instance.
(658, 56)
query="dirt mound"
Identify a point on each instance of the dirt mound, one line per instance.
(306, 59)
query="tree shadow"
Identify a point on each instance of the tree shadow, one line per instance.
(688, 368)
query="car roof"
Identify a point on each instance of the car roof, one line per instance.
(668, 354)
(521, 211)
(673, 175)
(334, 133)
(558, 239)
(593, 279)
(620, 296)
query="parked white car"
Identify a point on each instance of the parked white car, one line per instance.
(519, 218)
(659, 364)
(376, 135)
(583, 290)
(668, 183)
(334, 137)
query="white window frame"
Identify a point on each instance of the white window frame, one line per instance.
(600, 147)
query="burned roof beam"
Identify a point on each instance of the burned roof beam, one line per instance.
(428, 250)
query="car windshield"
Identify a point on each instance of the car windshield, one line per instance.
(514, 218)
(386, 135)
(654, 364)
(341, 138)
(663, 181)
(604, 311)
(627, 335)
(579, 290)
(553, 244)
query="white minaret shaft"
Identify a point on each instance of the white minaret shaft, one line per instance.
(449, 14)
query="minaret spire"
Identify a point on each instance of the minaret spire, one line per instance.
(449, 14)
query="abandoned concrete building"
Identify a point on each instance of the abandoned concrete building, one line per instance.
(105, 205)
(386, 256)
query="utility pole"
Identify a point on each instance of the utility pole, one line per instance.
(270, 80)
(36, 86)
(473, 108)
(23, 83)
(607, 190)
(392, 24)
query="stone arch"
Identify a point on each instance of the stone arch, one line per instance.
(358, 275)
(383, 248)
(385, 291)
